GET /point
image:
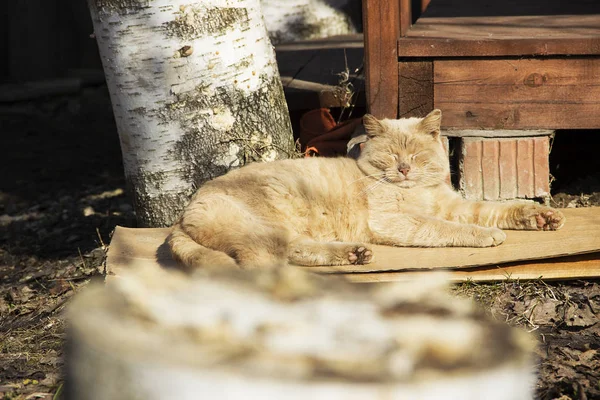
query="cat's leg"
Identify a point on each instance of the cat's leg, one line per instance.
(306, 251)
(505, 215)
(227, 225)
(420, 231)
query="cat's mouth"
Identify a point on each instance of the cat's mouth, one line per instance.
(401, 180)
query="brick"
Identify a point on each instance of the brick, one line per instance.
(490, 169)
(541, 168)
(471, 182)
(525, 168)
(508, 169)
(504, 168)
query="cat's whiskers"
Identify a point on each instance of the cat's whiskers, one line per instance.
(373, 186)
(380, 174)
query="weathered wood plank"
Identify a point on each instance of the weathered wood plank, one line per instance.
(496, 133)
(491, 28)
(416, 88)
(444, 47)
(405, 16)
(381, 21)
(519, 116)
(519, 94)
(573, 267)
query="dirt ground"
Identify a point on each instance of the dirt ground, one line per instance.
(62, 192)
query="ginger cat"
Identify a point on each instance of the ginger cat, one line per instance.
(326, 211)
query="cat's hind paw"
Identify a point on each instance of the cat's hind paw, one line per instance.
(360, 255)
(550, 220)
(542, 218)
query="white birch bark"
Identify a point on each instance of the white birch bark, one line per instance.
(292, 20)
(195, 91)
(158, 335)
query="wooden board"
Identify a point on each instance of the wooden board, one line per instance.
(518, 94)
(416, 88)
(581, 235)
(570, 267)
(450, 28)
(381, 30)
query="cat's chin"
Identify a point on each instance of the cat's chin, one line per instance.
(406, 184)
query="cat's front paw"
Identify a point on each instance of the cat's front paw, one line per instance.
(488, 237)
(542, 218)
(360, 255)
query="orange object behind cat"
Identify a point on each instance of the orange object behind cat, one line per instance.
(321, 135)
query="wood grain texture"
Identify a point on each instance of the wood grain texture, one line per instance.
(581, 234)
(405, 16)
(416, 88)
(518, 94)
(381, 22)
(571, 267)
(508, 28)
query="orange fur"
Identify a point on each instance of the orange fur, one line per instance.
(324, 211)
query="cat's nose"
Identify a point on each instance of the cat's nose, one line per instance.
(404, 168)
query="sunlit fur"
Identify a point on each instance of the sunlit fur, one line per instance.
(326, 211)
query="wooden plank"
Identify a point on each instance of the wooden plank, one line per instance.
(518, 94)
(573, 267)
(416, 88)
(532, 8)
(508, 28)
(520, 116)
(496, 133)
(424, 5)
(444, 47)
(353, 41)
(381, 21)
(405, 16)
(530, 73)
(580, 235)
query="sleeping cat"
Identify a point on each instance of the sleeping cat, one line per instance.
(326, 211)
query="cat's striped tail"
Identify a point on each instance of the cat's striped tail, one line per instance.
(192, 254)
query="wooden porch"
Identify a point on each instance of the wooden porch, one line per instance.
(513, 64)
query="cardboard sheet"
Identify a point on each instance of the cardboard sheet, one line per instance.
(514, 258)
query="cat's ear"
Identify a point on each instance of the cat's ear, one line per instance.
(373, 126)
(431, 124)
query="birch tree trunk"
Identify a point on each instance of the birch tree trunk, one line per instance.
(292, 20)
(195, 92)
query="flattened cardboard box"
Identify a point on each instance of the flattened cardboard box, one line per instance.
(572, 252)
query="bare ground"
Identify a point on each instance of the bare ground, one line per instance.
(62, 192)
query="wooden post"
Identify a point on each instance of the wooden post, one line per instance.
(381, 20)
